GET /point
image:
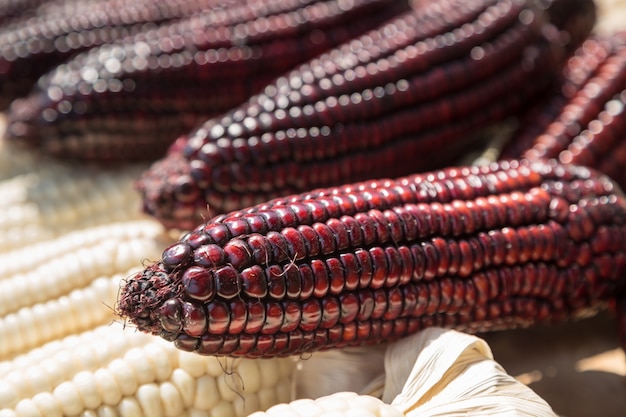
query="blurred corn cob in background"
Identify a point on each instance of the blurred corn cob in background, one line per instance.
(583, 121)
(404, 98)
(129, 100)
(33, 43)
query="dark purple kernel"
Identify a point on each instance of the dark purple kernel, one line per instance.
(176, 255)
(198, 283)
(238, 254)
(296, 243)
(292, 316)
(262, 252)
(273, 318)
(194, 319)
(279, 245)
(186, 343)
(256, 317)
(311, 315)
(171, 315)
(336, 275)
(219, 317)
(238, 317)
(218, 232)
(227, 283)
(254, 282)
(209, 256)
(196, 239)
(349, 307)
(293, 283)
(276, 286)
(210, 344)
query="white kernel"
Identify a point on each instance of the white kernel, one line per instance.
(185, 384)
(37, 379)
(269, 370)
(215, 365)
(249, 372)
(223, 409)
(47, 405)
(129, 407)
(124, 376)
(283, 391)
(111, 393)
(67, 396)
(8, 395)
(84, 358)
(142, 368)
(207, 395)
(148, 396)
(11, 339)
(229, 386)
(267, 398)
(88, 413)
(8, 413)
(192, 363)
(282, 410)
(106, 411)
(171, 401)
(157, 355)
(87, 388)
(246, 404)
(17, 382)
(26, 408)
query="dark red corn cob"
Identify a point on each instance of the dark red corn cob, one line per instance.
(10, 9)
(472, 248)
(584, 122)
(398, 100)
(130, 100)
(35, 43)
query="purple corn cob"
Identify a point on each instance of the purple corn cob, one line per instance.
(129, 100)
(397, 100)
(584, 122)
(473, 248)
(33, 44)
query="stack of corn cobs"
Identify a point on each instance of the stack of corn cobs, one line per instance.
(313, 151)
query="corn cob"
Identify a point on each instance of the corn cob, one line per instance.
(72, 261)
(42, 369)
(477, 249)
(72, 282)
(385, 104)
(340, 404)
(584, 122)
(152, 378)
(49, 199)
(130, 100)
(10, 9)
(35, 43)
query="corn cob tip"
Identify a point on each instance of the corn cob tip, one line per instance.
(170, 192)
(143, 296)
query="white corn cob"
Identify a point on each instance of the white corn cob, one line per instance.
(51, 199)
(58, 350)
(44, 368)
(340, 404)
(156, 379)
(81, 309)
(53, 268)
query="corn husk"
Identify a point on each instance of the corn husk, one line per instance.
(436, 372)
